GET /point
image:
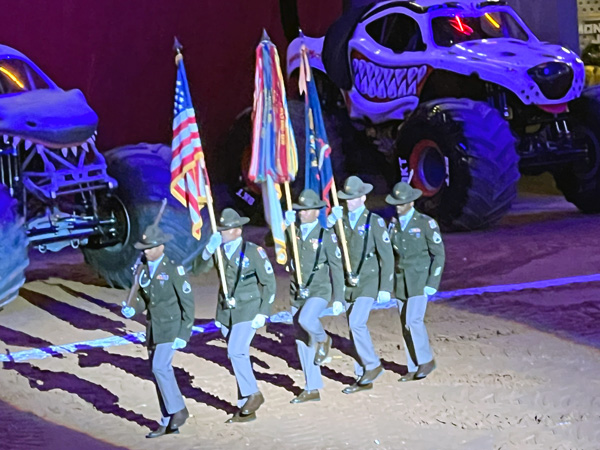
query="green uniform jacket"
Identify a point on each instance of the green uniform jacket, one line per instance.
(377, 271)
(256, 289)
(330, 262)
(169, 303)
(420, 255)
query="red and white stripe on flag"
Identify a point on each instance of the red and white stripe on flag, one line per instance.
(188, 177)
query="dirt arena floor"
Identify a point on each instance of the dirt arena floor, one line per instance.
(518, 359)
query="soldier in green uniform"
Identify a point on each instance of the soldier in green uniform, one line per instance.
(372, 263)
(420, 258)
(166, 295)
(251, 291)
(323, 281)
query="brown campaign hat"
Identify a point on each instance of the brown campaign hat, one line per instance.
(152, 237)
(402, 194)
(354, 187)
(231, 219)
(309, 199)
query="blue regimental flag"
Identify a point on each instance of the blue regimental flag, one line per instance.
(318, 174)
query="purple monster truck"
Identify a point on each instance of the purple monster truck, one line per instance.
(57, 189)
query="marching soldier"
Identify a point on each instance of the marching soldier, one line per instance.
(165, 293)
(420, 257)
(251, 289)
(372, 262)
(323, 281)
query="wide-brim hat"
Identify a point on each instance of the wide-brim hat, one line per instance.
(354, 187)
(309, 199)
(152, 237)
(402, 194)
(231, 219)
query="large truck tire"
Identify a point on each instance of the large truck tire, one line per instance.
(239, 193)
(13, 248)
(462, 156)
(580, 182)
(143, 174)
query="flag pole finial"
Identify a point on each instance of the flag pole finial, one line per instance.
(301, 33)
(265, 36)
(177, 47)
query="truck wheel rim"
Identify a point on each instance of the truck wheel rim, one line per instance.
(112, 206)
(589, 168)
(429, 167)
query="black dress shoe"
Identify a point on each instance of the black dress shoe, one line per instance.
(371, 375)
(425, 369)
(253, 403)
(356, 387)
(307, 396)
(239, 417)
(322, 351)
(178, 419)
(162, 430)
(410, 376)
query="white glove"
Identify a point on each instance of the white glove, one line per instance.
(259, 321)
(337, 308)
(336, 214)
(290, 217)
(178, 344)
(429, 291)
(213, 243)
(383, 297)
(127, 311)
(218, 324)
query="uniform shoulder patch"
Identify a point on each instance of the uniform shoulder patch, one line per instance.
(268, 267)
(381, 222)
(186, 287)
(180, 270)
(432, 224)
(386, 237)
(437, 238)
(338, 253)
(334, 238)
(261, 252)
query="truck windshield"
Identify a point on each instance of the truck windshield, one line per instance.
(456, 28)
(17, 76)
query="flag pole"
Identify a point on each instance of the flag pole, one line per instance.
(213, 227)
(297, 268)
(341, 230)
(209, 198)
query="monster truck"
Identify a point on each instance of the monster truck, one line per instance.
(58, 190)
(461, 97)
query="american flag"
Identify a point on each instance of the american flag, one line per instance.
(189, 179)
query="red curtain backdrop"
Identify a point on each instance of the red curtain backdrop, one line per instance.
(119, 53)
